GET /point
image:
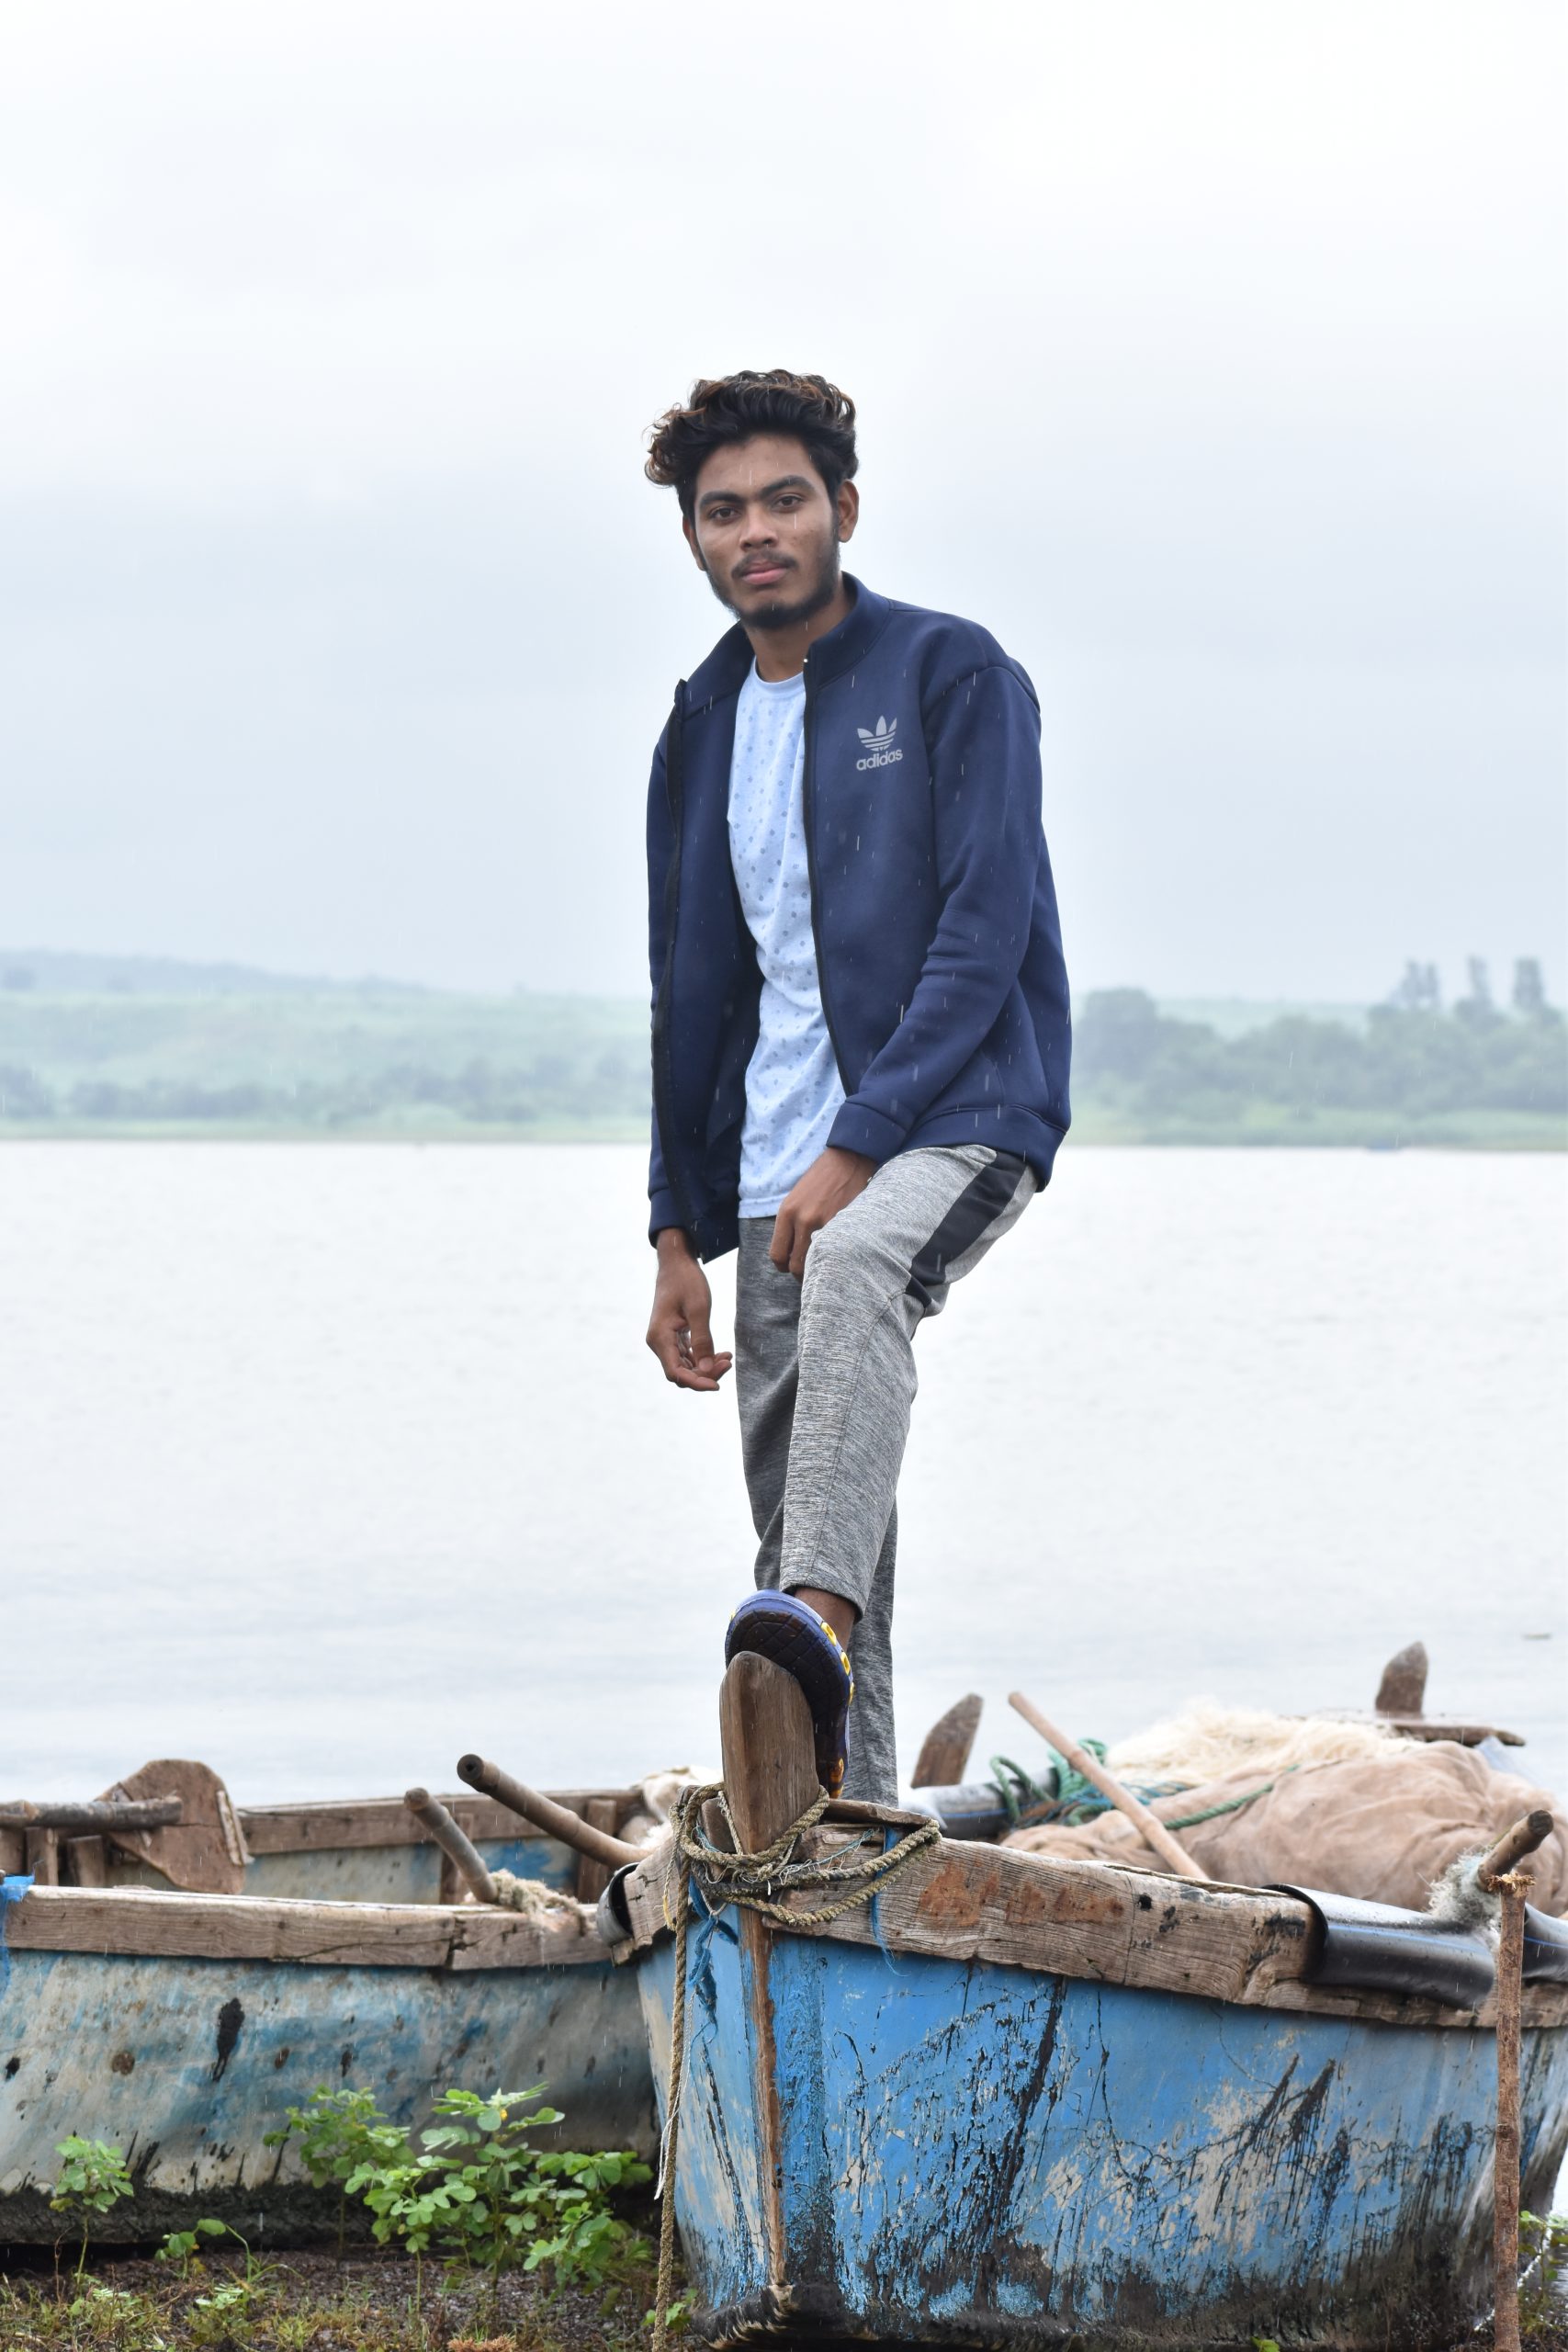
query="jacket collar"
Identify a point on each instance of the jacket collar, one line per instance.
(724, 671)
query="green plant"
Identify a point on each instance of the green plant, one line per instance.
(474, 2191)
(180, 2245)
(1543, 2251)
(340, 2132)
(478, 2193)
(93, 2179)
(678, 2318)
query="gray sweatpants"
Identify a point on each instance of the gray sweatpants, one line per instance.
(825, 1378)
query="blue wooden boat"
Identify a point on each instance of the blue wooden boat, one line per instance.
(180, 2026)
(1024, 2102)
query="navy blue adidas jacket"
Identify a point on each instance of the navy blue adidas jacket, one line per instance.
(938, 946)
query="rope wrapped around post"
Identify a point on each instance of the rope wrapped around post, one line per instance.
(756, 1883)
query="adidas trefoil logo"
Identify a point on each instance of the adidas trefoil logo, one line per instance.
(879, 751)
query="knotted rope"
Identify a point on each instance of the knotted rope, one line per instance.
(755, 1882)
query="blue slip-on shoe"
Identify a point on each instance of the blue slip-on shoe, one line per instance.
(776, 1626)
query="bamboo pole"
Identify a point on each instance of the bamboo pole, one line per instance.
(432, 1816)
(1148, 1824)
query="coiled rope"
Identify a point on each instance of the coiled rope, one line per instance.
(755, 1882)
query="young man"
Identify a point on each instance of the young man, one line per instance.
(859, 1020)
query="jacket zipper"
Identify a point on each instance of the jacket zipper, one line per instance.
(663, 1075)
(808, 818)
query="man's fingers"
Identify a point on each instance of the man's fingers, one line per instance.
(683, 1362)
(781, 1249)
(800, 1243)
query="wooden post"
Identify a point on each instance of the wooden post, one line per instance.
(770, 1779)
(593, 1877)
(42, 1856)
(945, 1752)
(764, 1731)
(1402, 1690)
(544, 1813)
(456, 1847)
(1497, 1875)
(1148, 1824)
(86, 1860)
(1506, 2170)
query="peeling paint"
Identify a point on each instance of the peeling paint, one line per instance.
(1001, 2156)
(186, 2063)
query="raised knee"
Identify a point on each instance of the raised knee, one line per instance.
(839, 1260)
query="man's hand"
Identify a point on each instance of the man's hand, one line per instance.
(833, 1179)
(679, 1328)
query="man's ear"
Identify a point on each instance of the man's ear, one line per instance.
(848, 502)
(692, 543)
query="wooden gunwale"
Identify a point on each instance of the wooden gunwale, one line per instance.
(385, 1821)
(146, 1922)
(1104, 1922)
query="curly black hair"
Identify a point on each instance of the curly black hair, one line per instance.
(720, 410)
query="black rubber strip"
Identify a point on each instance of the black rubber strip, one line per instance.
(979, 1204)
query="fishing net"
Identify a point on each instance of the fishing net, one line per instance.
(1383, 1822)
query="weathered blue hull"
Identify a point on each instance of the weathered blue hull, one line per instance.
(185, 2058)
(186, 2063)
(980, 2153)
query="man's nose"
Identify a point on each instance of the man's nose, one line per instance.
(758, 529)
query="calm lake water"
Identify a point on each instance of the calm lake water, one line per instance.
(328, 1463)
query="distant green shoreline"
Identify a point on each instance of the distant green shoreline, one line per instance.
(1485, 1132)
(156, 1051)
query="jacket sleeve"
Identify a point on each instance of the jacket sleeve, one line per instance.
(662, 1208)
(983, 741)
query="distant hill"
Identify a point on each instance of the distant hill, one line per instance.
(53, 971)
(59, 972)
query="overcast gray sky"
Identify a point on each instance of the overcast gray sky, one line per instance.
(1211, 352)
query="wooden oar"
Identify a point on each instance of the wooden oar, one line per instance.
(1498, 1874)
(432, 1814)
(545, 1814)
(1148, 1824)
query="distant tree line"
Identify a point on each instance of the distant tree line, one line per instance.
(1411, 1055)
(548, 1088)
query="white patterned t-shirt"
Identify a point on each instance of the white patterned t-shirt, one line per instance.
(793, 1088)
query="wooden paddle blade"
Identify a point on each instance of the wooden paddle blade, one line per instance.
(945, 1752)
(203, 1852)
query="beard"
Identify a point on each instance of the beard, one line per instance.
(787, 608)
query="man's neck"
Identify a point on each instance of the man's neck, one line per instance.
(781, 652)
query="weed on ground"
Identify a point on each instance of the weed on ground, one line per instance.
(317, 2301)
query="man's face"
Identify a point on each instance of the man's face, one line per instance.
(767, 534)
